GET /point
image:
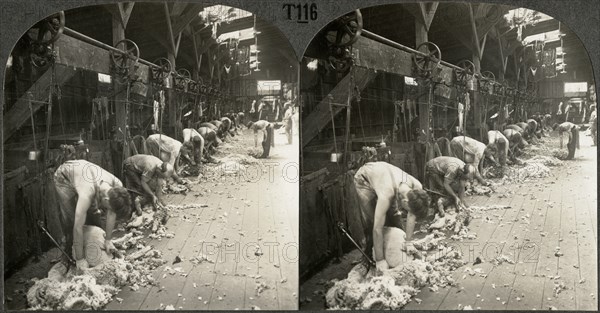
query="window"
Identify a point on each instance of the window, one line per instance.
(223, 13)
(244, 34)
(410, 81)
(103, 78)
(578, 89)
(268, 87)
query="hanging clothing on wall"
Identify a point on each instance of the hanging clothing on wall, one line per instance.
(467, 102)
(461, 112)
(156, 109)
(559, 112)
(157, 105)
(104, 106)
(412, 112)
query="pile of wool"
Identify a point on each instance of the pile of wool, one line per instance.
(476, 189)
(456, 222)
(226, 145)
(560, 154)
(240, 159)
(94, 287)
(363, 289)
(129, 240)
(255, 152)
(429, 242)
(155, 220)
(78, 293)
(189, 170)
(175, 188)
(394, 288)
(141, 220)
(493, 172)
(228, 165)
(533, 150)
(531, 170)
(546, 160)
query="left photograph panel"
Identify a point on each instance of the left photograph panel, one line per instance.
(151, 161)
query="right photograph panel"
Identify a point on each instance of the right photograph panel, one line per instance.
(448, 161)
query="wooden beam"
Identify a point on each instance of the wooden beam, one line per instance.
(482, 10)
(482, 46)
(503, 59)
(190, 14)
(512, 46)
(477, 103)
(416, 10)
(487, 22)
(242, 23)
(508, 32)
(19, 113)
(125, 9)
(422, 36)
(170, 34)
(177, 44)
(541, 27)
(517, 64)
(79, 54)
(122, 105)
(321, 116)
(374, 55)
(428, 9)
(178, 8)
(474, 36)
(161, 40)
(197, 56)
(423, 12)
(171, 102)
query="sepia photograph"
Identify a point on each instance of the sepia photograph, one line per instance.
(449, 161)
(151, 161)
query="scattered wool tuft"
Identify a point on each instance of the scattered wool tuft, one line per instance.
(501, 259)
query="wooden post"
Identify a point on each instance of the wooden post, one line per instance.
(477, 99)
(171, 102)
(421, 37)
(423, 13)
(348, 115)
(120, 100)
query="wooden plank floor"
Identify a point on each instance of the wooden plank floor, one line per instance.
(259, 209)
(555, 212)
